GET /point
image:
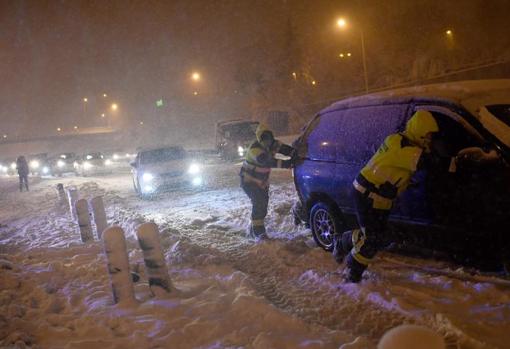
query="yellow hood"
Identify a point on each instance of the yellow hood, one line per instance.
(421, 123)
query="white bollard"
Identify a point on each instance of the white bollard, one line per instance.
(72, 196)
(82, 210)
(118, 265)
(411, 336)
(61, 193)
(155, 266)
(99, 215)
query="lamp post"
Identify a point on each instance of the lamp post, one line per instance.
(342, 24)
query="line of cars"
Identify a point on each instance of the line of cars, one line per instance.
(89, 164)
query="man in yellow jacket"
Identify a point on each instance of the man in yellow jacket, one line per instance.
(255, 173)
(383, 178)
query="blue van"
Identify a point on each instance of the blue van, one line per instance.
(465, 213)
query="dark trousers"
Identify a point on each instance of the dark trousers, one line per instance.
(364, 243)
(23, 179)
(259, 199)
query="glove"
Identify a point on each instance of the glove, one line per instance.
(476, 155)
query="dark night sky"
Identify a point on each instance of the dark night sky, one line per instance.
(54, 53)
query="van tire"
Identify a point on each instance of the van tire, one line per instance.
(324, 223)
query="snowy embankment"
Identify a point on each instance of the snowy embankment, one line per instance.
(231, 292)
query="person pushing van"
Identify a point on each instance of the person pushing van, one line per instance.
(259, 160)
(383, 178)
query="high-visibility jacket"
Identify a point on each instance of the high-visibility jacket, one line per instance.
(390, 169)
(259, 160)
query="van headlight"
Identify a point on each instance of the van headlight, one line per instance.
(240, 150)
(34, 164)
(61, 163)
(45, 170)
(13, 166)
(194, 169)
(108, 162)
(147, 177)
(87, 165)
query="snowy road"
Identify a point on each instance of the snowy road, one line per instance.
(281, 293)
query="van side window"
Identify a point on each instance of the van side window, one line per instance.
(452, 136)
(364, 129)
(321, 137)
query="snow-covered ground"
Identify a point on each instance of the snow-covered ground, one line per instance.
(232, 292)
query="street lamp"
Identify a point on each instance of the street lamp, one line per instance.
(59, 129)
(449, 32)
(342, 24)
(114, 106)
(105, 95)
(195, 76)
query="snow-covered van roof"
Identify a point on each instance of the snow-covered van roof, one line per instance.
(473, 95)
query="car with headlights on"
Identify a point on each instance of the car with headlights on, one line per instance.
(62, 163)
(165, 167)
(39, 165)
(92, 164)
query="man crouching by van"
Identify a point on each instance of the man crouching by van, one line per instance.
(255, 173)
(383, 178)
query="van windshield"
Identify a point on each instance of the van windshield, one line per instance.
(501, 111)
(161, 155)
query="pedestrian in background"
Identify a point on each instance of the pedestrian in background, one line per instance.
(22, 166)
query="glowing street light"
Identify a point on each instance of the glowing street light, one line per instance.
(449, 32)
(342, 23)
(195, 76)
(85, 99)
(5, 136)
(105, 95)
(103, 115)
(195, 93)
(59, 129)
(314, 82)
(141, 122)
(114, 106)
(294, 75)
(75, 127)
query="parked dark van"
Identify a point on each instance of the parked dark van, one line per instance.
(465, 213)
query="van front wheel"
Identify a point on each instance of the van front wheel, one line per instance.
(324, 223)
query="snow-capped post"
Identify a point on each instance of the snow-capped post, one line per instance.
(82, 210)
(118, 265)
(99, 215)
(72, 196)
(61, 193)
(155, 266)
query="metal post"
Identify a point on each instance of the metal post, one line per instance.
(72, 195)
(155, 266)
(99, 215)
(363, 57)
(82, 210)
(118, 265)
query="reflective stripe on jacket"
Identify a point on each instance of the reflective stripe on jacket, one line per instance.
(259, 161)
(392, 166)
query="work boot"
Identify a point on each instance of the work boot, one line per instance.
(354, 270)
(338, 250)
